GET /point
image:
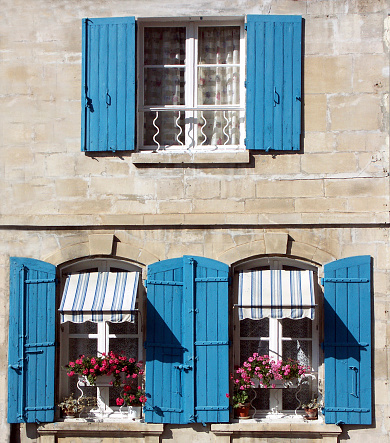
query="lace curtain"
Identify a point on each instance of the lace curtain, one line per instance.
(164, 84)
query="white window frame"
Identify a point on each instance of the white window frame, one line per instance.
(102, 336)
(190, 108)
(275, 326)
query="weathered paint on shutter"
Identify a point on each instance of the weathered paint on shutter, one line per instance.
(31, 354)
(165, 352)
(187, 374)
(274, 58)
(108, 95)
(347, 344)
(211, 341)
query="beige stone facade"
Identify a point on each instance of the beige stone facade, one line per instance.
(326, 202)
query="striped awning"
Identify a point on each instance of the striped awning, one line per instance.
(99, 296)
(276, 294)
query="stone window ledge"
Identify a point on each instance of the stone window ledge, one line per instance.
(326, 432)
(181, 158)
(50, 432)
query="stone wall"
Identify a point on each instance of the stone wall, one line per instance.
(329, 201)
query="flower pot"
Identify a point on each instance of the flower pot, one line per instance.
(242, 411)
(68, 414)
(101, 381)
(311, 414)
(134, 412)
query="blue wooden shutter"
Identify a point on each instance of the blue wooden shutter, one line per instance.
(31, 353)
(187, 356)
(347, 344)
(274, 57)
(165, 352)
(211, 341)
(108, 95)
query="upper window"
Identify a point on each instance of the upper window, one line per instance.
(191, 88)
(201, 85)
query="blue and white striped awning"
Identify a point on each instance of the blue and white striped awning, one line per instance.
(99, 296)
(276, 294)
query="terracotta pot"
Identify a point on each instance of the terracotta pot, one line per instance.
(311, 413)
(242, 411)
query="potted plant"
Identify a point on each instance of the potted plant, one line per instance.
(311, 409)
(87, 403)
(133, 397)
(116, 366)
(240, 400)
(70, 406)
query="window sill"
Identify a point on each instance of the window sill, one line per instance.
(262, 429)
(154, 158)
(80, 427)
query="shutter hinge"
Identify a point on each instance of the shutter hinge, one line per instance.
(245, 83)
(246, 26)
(193, 310)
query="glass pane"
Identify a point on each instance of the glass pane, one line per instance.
(164, 86)
(218, 128)
(124, 327)
(254, 328)
(164, 46)
(218, 86)
(261, 402)
(296, 328)
(219, 45)
(289, 396)
(297, 350)
(83, 328)
(170, 130)
(125, 346)
(115, 392)
(88, 391)
(249, 347)
(80, 346)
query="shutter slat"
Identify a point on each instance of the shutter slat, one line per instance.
(274, 54)
(347, 345)
(31, 341)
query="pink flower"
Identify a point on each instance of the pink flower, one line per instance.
(227, 395)
(85, 372)
(119, 401)
(93, 360)
(70, 373)
(134, 375)
(71, 364)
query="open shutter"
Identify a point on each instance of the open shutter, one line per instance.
(187, 373)
(31, 354)
(347, 345)
(211, 341)
(165, 352)
(108, 95)
(274, 57)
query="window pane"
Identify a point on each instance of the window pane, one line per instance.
(164, 46)
(249, 347)
(124, 327)
(219, 45)
(126, 346)
(254, 328)
(290, 401)
(297, 350)
(164, 86)
(218, 128)
(218, 86)
(297, 328)
(170, 130)
(87, 327)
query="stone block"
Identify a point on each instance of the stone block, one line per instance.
(355, 112)
(202, 187)
(276, 242)
(289, 188)
(72, 187)
(277, 164)
(134, 206)
(100, 244)
(243, 218)
(361, 141)
(371, 73)
(217, 206)
(238, 188)
(356, 187)
(175, 207)
(170, 189)
(320, 205)
(315, 109)
(319, 142)
(320, 35)
(60, 164)
(330, 163)
(269, 205)
(328, 74)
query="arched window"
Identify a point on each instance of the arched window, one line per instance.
(91, 334)
(279, 335)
